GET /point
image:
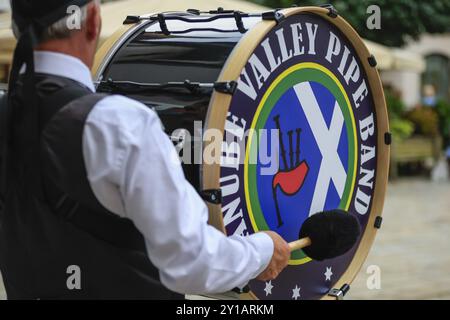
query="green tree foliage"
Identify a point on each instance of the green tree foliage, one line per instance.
(400, 19)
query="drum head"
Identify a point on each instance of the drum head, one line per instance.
(310, 76)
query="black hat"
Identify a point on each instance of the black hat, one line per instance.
(32, 17)
(40, 13)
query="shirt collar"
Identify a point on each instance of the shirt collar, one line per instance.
(63, 65)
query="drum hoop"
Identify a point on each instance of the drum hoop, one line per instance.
(220, 104)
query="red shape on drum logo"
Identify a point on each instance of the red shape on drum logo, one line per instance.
(291, 179)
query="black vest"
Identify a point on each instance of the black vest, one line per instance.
(45, 242)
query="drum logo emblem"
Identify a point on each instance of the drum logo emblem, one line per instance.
(317, 152)
(305, 82)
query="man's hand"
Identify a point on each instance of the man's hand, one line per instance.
(280, 258)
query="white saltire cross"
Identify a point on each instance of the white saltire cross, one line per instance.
(331, 167)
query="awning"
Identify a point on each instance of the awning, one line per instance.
(408, 60)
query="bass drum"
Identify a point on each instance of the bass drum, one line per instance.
(299, 104)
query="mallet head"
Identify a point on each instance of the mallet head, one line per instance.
(332, 234)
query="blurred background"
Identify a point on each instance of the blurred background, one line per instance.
(411, 41)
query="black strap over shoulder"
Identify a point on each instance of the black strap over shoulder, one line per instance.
(64, 106)
(58, 92)
(61, 144)
(3, 121)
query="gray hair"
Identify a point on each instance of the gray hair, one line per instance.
(62, 29)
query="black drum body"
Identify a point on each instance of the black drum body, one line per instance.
(174, 63)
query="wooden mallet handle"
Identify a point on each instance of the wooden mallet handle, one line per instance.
(299, 244)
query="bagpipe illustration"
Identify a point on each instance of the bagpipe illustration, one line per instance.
(290, 179)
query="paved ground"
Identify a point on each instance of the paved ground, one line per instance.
(413, 247)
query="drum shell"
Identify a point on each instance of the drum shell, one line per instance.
(213, 108)
(147, 55)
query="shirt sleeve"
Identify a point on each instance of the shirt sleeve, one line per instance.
(134, 171)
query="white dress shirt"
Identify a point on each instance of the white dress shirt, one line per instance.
(127, 154)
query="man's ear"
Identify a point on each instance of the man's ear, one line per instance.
(93, 22)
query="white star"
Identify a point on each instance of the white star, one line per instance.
(328, 274)
(296, 292)
(268, 288)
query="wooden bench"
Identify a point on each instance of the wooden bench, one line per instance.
(414, 149)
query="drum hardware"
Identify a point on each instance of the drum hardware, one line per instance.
(243, 290)
(163, 24)
(219, 10)
(162, 19)
(133, 86)
(136, 87)
(133, 19)
(378, 222)
(212, 196)
(194, 11)
(193, 87)
(372, 61)
(203, 30)
(179, 140)
(332, 12)
(339, 294)
(274, 15)
(388, 138)
(226, 87)
(239, 22)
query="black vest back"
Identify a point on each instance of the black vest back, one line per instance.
(46, 243)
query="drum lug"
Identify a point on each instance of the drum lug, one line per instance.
(213, 196)
(388, 138)
(273, 16)
(132, 19)
(372, 61)
(193, 11)
(332, 12)
(378, 222)
(243, 290)
(226, 87)
(221, 10)
(339, 294)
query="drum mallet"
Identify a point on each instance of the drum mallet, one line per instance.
(327, 235)
(324, 235)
